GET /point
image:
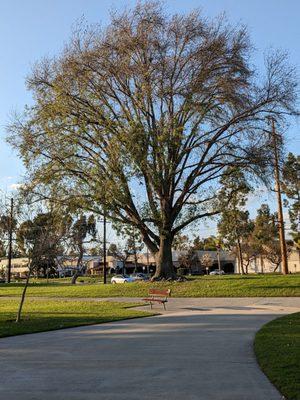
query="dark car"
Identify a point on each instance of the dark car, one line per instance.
(139, 277)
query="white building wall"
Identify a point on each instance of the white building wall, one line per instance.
(262, 265)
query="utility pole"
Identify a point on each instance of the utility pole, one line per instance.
(104, 246)
(10, 234)
(279, 201)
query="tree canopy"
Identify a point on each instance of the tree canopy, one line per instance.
(291, 188)
(143, 117)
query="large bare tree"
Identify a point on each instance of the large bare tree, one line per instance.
(141, 119)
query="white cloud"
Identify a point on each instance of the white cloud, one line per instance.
(15, 186)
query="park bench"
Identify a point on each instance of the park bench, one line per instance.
(158, 296)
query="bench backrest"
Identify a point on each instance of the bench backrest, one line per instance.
(160, 292)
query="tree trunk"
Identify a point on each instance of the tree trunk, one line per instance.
(262, 264)
(246, 267)
(80, 269)
(240, 257)
(18, 319)
(135, 262)
(164, 261)
(276, 268)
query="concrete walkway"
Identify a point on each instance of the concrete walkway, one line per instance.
(200, 349)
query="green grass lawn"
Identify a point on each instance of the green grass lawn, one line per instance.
(205, 286)
(277, 348)
(47, 315)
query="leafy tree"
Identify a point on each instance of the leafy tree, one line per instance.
(5, 226)
(122, 253)
(96, 250)
(113, 250)
(197, 243)
(42, 237)
(265, 234)
(209, 243)
(181, 243)
(265, 227)
(272, 252)
(234, 226)
(250, 250)
(133, 241)
(81, 229)
(2, 272)
(188, 258)
(142, 119)
(291, 188)
(206, 261)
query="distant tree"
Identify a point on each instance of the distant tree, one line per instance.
(3, 248)
(181, 243)
(133, 241)
(154, 108)
(113, 250)
(197, 243)
(188, 259)
(206, 261)
(121, 252)
(95, 250)
(2, 272)
(83, 231)
(265, 225)
(272, 252)
(291, 188)
(265, 232)
(39, 244)
(250, 251)
(43, 238)
(209, 243)
(234, 226)
(5, 226)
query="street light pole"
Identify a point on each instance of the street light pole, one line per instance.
(104, 247)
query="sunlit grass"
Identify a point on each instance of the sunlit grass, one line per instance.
(46, 315)
(277, 347)
(205, 286)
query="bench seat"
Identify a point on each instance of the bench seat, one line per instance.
(158, 296)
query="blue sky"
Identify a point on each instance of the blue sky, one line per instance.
(32, 29)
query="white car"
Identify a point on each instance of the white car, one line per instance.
(121, 279)
(217, 272)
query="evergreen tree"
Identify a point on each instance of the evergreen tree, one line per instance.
(234, 226)
(291, 188)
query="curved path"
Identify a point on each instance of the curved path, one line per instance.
(200, 349)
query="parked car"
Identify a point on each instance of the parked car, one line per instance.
(139, 277)
(217, 272)
(121, 279)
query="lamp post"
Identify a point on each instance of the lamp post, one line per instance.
(104, 247)
(10, 238)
